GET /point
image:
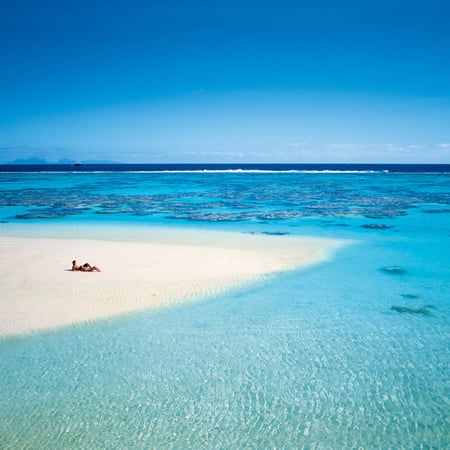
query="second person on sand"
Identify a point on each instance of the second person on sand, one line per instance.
(86, 267)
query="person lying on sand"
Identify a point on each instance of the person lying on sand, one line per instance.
(86, 267)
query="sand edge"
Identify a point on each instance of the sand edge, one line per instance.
(39, 292)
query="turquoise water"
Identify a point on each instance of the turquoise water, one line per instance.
(353, 353)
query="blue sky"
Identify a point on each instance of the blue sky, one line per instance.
(236, 81)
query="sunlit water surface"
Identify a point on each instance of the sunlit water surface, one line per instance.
(353, 353)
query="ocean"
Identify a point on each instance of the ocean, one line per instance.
(351, 353)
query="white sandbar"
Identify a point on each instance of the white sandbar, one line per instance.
(38, 291)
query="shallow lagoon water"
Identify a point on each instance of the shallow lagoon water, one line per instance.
(333, 356)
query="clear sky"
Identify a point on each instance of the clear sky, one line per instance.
(225, 81)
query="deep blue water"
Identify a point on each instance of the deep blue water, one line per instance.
(336, 167)
(353, 353)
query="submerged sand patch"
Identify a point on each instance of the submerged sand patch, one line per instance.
(38, 291)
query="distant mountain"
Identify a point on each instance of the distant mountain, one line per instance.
(28, 161)
(61, 161)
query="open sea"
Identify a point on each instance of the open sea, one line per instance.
(350, 354)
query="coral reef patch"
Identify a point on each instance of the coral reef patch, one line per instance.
(393, 270)
(424, 311)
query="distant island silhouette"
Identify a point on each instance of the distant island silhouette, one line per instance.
(41, 161)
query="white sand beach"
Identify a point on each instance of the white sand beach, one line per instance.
(39, 291)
